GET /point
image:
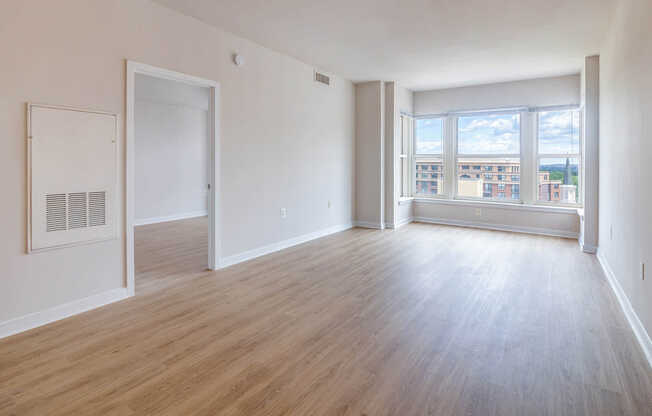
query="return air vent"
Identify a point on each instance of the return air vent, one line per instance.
(97, 208)
(72, 176)
(77, 209)
(55, 208)
(324, 79)
(83, 210)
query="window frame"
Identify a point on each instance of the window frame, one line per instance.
(538, 156)
(474, 157)
(443, 192)
(405, 155)
(528, 157)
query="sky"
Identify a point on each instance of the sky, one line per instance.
(500, 134)
(559, 132)
(493, 134)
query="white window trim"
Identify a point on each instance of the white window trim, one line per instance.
(498, 204)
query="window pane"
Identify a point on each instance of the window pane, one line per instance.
(557, 180)
(489, 135)
(406, 129)
(405, 190)
(429, 133)
(499, 179)
(430, 176)
(405, 135)
(559, 132)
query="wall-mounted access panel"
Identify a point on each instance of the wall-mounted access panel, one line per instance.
(72, 181)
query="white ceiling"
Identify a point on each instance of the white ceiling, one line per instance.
(422, 44)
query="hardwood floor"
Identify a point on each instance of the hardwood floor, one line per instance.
(168, 252)
(425, 320)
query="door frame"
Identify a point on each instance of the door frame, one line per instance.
(214, 205)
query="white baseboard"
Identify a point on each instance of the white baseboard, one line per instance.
(404, 221)
(498, 227)
(271, 248)
(399, 223)
(36, 319)
(637, 326)
(176, 217)
(587, 248)
(368, 224)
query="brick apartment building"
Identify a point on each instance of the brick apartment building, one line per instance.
(490, 179)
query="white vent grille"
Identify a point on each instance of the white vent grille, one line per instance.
(55, 208)
(321, 78)
(82, 210)
(77, 210)
(97, 208)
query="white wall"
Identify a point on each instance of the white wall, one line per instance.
(172, 149)
(378, 107)
(511, 218)
(531, 93)
(390, 151)
(625, 153)
(286, 140)
(534, 93)
(369, 167)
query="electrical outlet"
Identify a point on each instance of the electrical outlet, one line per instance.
(284, 213)
(611, 232)
(329, 204)
(478, 212)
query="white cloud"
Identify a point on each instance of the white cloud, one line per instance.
(476, 124)
(503, 124)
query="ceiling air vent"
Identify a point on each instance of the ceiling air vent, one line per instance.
(324, 79)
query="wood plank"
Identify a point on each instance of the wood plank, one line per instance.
(426, 319)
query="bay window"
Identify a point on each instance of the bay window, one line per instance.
(483, 156)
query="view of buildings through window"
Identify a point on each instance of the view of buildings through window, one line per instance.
(428, 155)
(488, 156)
(482, 175)
(558, 156)
(483, 179)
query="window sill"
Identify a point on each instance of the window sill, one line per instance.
(499, 205)
(405, 200)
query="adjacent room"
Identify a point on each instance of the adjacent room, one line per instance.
(342, 208)
(172, 156)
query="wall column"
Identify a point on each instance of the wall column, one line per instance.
(591, 104)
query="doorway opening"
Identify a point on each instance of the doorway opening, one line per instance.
(172, 154)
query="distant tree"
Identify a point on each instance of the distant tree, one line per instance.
(556, 176)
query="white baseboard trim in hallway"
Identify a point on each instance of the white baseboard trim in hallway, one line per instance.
(271, 248)
(36, 319)
(176, 217)
(637, 326)
(498, 227)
